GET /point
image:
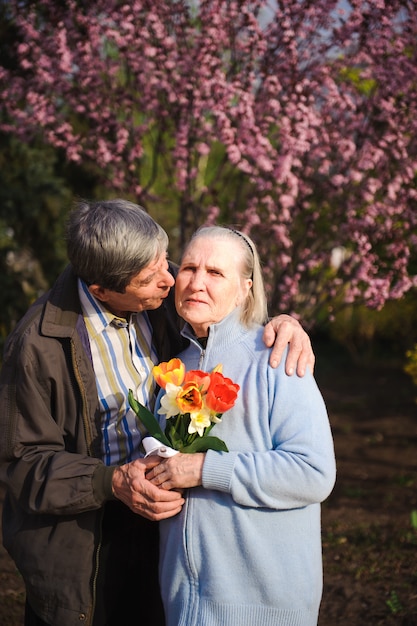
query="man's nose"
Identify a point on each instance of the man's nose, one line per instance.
(168, 279)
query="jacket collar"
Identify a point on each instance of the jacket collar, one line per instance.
(62, 307)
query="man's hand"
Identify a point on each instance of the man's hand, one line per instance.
(281, 331)
(131, 486)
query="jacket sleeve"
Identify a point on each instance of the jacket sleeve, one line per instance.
(44, 456)
(299, 468)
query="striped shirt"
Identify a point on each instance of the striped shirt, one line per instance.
(123, 357)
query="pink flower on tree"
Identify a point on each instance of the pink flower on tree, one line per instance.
(296, 121)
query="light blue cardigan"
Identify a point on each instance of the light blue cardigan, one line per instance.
(246, 548)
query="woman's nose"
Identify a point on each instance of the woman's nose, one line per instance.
(197, 282)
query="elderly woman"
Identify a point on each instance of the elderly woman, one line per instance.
(246, 547)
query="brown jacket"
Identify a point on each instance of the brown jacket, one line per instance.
(49, 449)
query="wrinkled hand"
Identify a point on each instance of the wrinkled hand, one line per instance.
(131, 486)
(178, 472)
(285, 329)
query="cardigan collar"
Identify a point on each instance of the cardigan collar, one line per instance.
(223, 334)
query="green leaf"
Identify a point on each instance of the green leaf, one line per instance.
(148, 419)
(183, 427)
(202, 444)
(173, 437)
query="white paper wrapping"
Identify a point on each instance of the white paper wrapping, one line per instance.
(153, 446)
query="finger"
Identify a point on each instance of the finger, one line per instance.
(306, 361)
(151, 474)
(311, 363)
(277, 334)
(159, 494)
(300, 356)
(157, 511)
(269, 335)
(155, 479)
(278, 349)
(294, 359)
(157, 469)
(168, 514)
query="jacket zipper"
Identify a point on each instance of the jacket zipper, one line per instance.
(201, 359)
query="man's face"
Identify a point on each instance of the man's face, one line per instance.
(145, 291)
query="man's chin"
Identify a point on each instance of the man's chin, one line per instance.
(155, 304)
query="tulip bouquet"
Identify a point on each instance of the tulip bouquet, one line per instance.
(193, 402)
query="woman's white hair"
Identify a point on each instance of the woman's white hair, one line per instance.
(254, 308)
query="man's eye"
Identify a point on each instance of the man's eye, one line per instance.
(146, 281)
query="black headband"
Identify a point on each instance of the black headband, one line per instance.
(236, 232)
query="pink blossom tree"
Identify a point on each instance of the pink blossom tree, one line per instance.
(295, 121)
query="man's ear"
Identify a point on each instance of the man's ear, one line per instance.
(98, 292)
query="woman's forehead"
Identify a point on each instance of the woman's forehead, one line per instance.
(223, 249)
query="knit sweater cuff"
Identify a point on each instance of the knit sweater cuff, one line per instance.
(218, 470)
(102, 483)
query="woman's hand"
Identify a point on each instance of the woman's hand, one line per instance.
(281, 331)
(178, 472)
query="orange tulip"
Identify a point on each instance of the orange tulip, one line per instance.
(172, 371)
(189, 398)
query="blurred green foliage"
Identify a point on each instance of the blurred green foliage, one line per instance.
(368, 334)
(37, 189)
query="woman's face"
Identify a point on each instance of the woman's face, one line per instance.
(209, 284)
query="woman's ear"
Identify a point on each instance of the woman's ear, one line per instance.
(246, 286)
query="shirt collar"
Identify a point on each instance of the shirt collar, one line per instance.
(98, 316)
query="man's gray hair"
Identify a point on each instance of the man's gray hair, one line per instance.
(109, 242)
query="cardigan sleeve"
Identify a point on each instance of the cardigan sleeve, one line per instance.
(299, 468)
